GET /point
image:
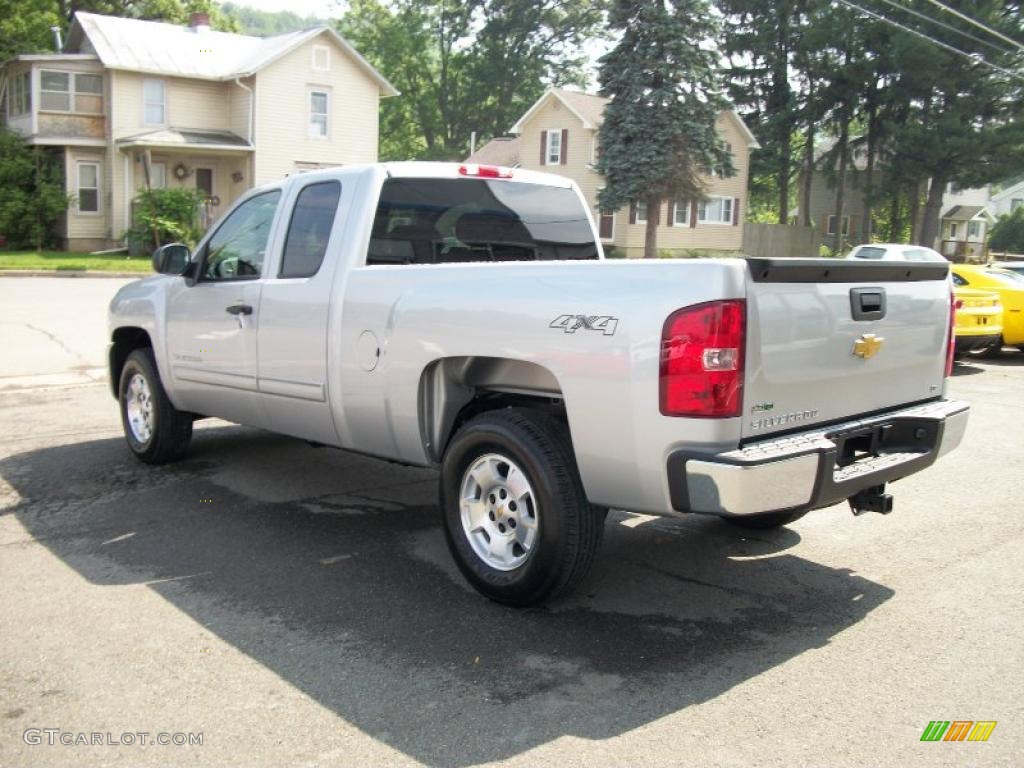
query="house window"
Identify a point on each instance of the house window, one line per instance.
(70, 92)
(974, 230)
(681, 217)
(55, 91)
(715, 210)
(88, 187)
(952, 229)
(321, 58)
(318, 104)
(554, 154)
(20, 95)
(641, 212)
(831, 229)
(154, 102)
(89, 93)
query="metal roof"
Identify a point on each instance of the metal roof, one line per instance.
(187, 139)
(169, 49)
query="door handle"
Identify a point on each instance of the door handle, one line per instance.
(239, 309)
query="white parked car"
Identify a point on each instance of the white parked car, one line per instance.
(896, 252)
(1017, 267)
(464, 318)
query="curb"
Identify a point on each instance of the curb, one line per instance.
(69, 273)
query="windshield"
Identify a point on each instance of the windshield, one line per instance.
(435, 221)
(1007, 278)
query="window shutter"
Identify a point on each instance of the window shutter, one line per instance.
(670, 214)
(851, 224)
(543, 147)
(693, 213)
(735, 211)
(565, 145)
(632, 213)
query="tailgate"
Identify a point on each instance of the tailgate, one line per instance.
(832, 339)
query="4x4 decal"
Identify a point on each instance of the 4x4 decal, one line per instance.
(606, 324)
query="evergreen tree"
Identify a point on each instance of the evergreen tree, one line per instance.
(658, 138)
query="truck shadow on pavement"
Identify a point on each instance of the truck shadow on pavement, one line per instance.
(330, 570)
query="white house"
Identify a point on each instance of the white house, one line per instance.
(130, 103)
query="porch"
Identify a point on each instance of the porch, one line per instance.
(215, 163)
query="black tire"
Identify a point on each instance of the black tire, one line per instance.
(765, 521)
(569, 528)
(171, 429)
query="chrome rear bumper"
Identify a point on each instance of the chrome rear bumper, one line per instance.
(819, 467)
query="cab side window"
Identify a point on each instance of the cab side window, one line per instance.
(310, 229)
(237, 248)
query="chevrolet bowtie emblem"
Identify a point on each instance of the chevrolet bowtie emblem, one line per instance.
(867, 345)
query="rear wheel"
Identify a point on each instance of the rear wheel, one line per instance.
(515, 515)
(155, 430)
(765, 520)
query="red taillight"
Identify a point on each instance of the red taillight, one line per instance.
(702, 360)
(954, 304)
(485, 171)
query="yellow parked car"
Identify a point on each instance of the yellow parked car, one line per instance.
(1007, 285)
(979, 318)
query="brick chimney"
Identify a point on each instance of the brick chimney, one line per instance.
(200, 22)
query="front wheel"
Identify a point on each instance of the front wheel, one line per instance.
(515, 515)
(155, 430)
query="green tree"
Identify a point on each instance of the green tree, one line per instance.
(1008, 232)
(658, 136)
(464, 67)
(32, 195)
(761, 41)
(25, 26)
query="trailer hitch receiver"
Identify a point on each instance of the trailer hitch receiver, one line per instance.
(873, 499)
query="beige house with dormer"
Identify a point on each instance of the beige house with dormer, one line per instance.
(131, 103)
(558, 134)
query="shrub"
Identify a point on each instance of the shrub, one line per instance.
(167, 216)
(1008, 232)
(32, 195)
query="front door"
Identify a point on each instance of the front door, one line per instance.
(212, 325)
(204, 186)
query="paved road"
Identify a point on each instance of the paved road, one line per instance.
(297, 607)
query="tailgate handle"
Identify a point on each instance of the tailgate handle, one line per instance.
(867, 303)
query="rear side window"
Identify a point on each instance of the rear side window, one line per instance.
(922, 254)
(310, 229)
(437, 221)
(870, 253)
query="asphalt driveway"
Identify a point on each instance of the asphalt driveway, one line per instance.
(296, 605)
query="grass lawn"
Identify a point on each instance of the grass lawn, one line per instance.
(65, 260)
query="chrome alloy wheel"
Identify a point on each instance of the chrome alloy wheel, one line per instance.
(499, 515)
(139, 408)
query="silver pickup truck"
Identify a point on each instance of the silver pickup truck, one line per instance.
(464, 317)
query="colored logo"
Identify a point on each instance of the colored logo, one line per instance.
(958, 730)
(867, 346)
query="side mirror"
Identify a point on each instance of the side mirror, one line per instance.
(171, 259)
